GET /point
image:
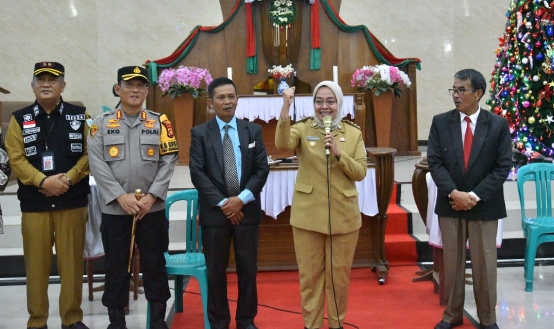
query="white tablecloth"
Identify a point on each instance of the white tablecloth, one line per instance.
(269, 108)
(432, 222)
(93, 238)
(277, 192)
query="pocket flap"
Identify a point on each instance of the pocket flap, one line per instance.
(350, 192)
(301, 187)
(113, 140)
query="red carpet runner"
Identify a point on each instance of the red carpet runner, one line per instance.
(400, 303)
(400, 247)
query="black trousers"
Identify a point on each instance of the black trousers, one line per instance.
(216, 241)
(152, 238)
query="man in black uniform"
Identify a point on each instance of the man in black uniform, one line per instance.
(48, 152)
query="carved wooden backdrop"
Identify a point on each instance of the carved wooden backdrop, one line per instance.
(348, 51)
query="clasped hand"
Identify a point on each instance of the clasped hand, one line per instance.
(54, 185)
(132, 206)
(462, 200)
(232, 208)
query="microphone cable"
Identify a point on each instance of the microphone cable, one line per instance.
(293, 82)
(268, 307)
(328, 165)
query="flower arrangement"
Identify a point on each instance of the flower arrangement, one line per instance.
(184, 79)
(381, 78)
(280, 72)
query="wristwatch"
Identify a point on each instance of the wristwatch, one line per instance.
(69, 182)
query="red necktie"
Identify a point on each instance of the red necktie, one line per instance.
(468, 140)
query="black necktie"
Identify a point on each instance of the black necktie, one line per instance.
(229, 165)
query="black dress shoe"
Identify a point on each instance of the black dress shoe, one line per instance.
(446, 325)
(250, 326)
(45, 327)
(76, 325)
(489, 326)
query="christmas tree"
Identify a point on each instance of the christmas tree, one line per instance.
(522, 84)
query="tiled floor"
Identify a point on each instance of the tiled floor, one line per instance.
(516, 308)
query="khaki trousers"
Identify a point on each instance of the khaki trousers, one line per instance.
(317, 278)
(66, 230)
(482, 247)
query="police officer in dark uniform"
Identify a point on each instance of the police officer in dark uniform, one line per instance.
(46, 144)
(133, 148)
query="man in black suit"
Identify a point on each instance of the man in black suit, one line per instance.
(470, 197)
(226, 213)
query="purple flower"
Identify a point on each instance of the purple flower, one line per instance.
(183, 79)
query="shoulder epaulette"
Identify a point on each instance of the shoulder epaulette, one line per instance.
(103, 114)
(304, 119)
(155, 113)
(351, 123)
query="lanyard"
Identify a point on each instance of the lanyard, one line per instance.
(49, 133)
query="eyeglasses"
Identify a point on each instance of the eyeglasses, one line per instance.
(131, 86)
(460, 91)
(329, 102)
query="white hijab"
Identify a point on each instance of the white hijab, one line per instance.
(335, 88)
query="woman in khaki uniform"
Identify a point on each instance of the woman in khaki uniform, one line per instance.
(325, 224)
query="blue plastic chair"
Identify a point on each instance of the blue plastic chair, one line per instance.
(192, 262)
(539, 229)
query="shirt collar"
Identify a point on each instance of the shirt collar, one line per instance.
(221, 123)
(58, 108)
(472, 117)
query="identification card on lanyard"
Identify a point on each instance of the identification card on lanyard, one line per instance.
(47, 161)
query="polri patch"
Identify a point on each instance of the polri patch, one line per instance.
(93, 130)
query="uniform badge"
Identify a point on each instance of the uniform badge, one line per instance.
(142, 115)
(113, 125)
(168, 143)
(150, 123)
(119, 114)
(151, 152)
(89, 122)
(113, 151)
(113, 120)
(342, 139)
(29, 124)
(93, 130)
(312, 143)
(169, 127)
(75, 124)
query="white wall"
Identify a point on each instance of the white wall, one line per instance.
(93, 38)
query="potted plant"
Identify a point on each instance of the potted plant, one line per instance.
(184, 79)
(380, 79)
(183, 85)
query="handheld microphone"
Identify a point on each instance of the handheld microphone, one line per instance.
(327, 124)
